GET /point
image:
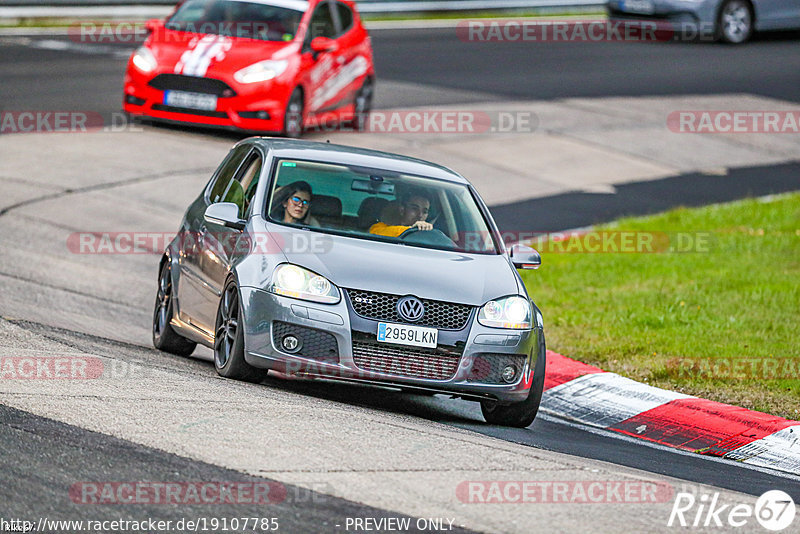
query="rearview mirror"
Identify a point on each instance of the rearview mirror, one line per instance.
(224, 214)
(525, 257)
(153, 25)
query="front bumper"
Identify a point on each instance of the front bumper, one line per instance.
(260, 108)
(465, 363)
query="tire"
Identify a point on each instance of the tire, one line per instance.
(229, 339)
(735, 22)
(164, 337)
(293, 115)
(520, 414)
(362, 106)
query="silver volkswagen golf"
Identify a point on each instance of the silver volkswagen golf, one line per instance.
(322, 261)
(732, 21)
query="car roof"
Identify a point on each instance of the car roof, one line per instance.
(356, 156)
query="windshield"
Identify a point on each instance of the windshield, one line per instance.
(252, 20)
(379, 205)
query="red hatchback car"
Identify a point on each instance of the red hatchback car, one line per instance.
(258, 65)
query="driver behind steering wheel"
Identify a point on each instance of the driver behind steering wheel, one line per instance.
(413, 213)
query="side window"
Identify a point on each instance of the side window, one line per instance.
(221, 190)
(345, 16)
(321, 24)
(248, 178)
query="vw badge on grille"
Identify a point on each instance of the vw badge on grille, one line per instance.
(410, 309)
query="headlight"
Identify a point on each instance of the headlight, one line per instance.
(261, 71)
(144, 59)
(293, 281)
(508, 312)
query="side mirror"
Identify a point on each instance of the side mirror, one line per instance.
(153, 25)
(224, 214)
(324, 44)
(525, 257)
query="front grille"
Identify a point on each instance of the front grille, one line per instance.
(383, 307)
(407, 362)
(191, 111)
(316, 344)
(192, 84)
(487, 367)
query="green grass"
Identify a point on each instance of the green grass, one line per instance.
(643, 314)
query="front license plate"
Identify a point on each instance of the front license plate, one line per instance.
(644, 7)
(403, 334)
(182, 99)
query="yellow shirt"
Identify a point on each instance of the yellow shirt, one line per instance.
(380, 228)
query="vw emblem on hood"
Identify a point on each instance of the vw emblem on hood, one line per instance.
(410, 309)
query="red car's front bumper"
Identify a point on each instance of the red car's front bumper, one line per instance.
(260, 108)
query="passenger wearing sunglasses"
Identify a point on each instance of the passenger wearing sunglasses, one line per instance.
(292, 204)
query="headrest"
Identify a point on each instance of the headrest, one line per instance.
(369, 211)
(326, 206)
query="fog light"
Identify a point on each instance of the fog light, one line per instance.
(290, 343)
(262, 115)
(136, 101)
(509, 374)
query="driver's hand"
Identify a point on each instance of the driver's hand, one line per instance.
(422, 225)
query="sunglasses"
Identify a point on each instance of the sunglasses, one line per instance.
(298, 200)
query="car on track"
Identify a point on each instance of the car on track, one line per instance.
(732, 21)
(284, 262)
(272, 66)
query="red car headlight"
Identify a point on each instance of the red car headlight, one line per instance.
(261, 71)
(144, 60)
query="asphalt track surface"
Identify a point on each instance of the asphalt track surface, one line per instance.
(56, 454)
(90, 78)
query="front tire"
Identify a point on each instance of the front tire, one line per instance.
(229, 339)
(520, 414)
(293, 116)
(164, 336)
(735, 22)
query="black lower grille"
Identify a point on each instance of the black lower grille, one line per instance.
(383, 307)
(192, 84)
(191, 111)
(487, 367)
(314, 344)
(263, 115)
(408, 362)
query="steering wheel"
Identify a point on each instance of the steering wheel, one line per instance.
(409, 231)
(427, 237)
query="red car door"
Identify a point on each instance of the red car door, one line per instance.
(318, 69)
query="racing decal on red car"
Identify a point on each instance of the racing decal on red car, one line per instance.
(201, 52)
(336, 83)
